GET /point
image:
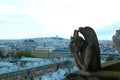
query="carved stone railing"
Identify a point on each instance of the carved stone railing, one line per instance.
(29, 74)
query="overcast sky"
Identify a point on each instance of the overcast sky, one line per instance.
(47, 18)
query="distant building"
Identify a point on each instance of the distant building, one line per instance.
(29, 41)
(63, 50)
(44, 49)
(42, 52)
(6, 50)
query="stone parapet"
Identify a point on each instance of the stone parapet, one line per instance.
(34, 73)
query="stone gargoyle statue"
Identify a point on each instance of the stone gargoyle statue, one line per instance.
(86, 49)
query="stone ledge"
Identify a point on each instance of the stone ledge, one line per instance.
(101, 74)
(90, 75)
(111, 65)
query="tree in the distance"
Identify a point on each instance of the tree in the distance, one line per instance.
(24, 53)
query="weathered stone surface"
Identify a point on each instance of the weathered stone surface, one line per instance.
(95, 75)
(116, 40)
(74, 76)
(86, 49)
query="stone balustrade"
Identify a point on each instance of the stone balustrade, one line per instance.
(32, 73)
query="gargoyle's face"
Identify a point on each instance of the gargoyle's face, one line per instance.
(76, 43)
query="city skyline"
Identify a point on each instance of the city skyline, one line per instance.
(37, 18)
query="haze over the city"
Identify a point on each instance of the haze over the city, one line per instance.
(45, 18)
